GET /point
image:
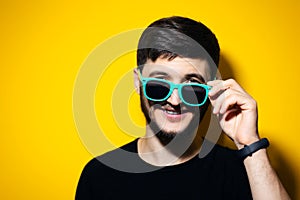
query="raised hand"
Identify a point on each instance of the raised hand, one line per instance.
(236, 111)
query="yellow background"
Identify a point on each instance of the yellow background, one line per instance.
(44, 43)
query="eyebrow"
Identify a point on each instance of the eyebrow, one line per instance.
(186, 77)
(198, 76)
(158, 73)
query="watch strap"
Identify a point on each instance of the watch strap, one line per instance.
(248, 150)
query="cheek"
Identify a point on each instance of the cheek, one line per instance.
(146, 107)
(145, 102)
(150, 105)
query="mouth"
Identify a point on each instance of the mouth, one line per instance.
(172, 112)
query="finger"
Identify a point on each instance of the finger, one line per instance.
(216, 102)
(224, 100)
(234, 85)
(230, 103)
(237, 100)
(219, 86)
(214, 82)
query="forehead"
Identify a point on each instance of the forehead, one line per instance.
(178, 67)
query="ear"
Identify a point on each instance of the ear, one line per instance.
(136, 81)
(218, 76)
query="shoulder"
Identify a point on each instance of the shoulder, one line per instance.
(216, 151)
(223, 158)
(222, 151)
(103, 162)
(228, 155)
(232, 166)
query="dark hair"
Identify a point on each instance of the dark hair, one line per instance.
(177, 36)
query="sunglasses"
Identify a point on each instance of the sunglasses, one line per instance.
(192, 94)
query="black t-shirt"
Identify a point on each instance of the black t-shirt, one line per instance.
(219, 175)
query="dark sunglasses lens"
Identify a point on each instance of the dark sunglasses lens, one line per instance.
(157, 90)
(193, 94)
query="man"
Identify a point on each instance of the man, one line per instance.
(177, 79)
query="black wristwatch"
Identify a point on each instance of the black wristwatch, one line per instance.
(248, 150)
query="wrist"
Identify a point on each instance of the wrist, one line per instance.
(246, 142)
(248, 150)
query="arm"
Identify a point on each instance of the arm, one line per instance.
(237, 113)
(263, 180)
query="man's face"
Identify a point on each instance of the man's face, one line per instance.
(172, 116)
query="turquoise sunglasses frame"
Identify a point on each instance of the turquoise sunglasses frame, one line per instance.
(173, 86)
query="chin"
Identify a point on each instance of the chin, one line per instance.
(167, 125)
(173, 131)
(166, 134)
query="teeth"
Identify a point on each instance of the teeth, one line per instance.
(172, 112)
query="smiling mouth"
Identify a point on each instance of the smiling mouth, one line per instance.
(172, 112)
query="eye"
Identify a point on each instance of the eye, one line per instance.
(194, 80)
(160, 77)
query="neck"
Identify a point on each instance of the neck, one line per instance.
(170, 151)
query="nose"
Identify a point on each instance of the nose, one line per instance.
(174, 99)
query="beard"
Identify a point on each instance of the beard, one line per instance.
(166, 136)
